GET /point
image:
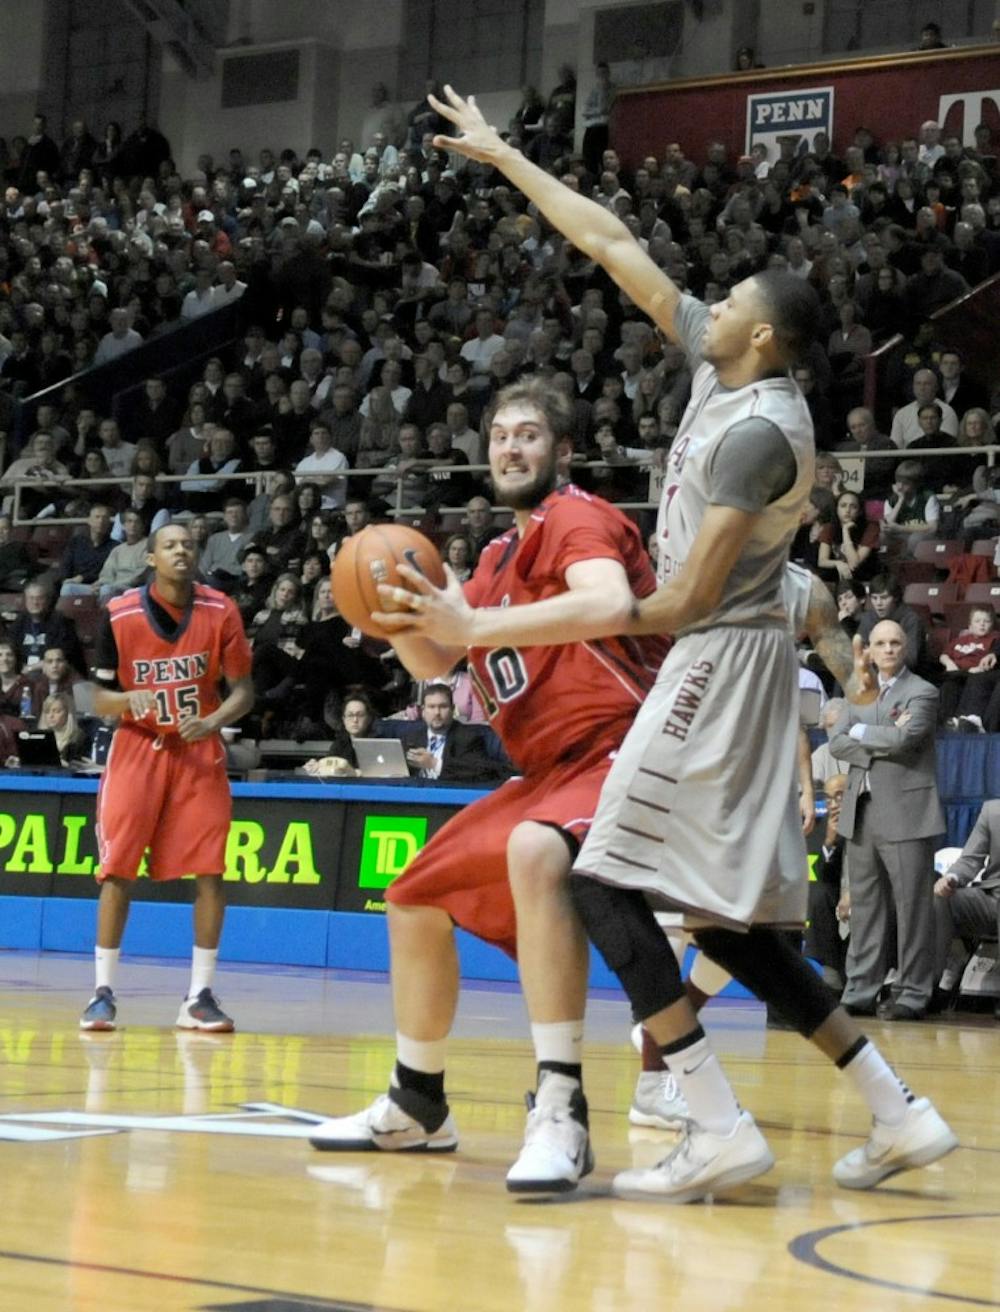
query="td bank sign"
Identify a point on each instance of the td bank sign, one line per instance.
(388, 845)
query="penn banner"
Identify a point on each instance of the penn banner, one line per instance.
(801, 114)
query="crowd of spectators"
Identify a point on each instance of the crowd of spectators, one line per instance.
(387, 290)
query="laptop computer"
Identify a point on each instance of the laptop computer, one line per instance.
(38, 747)
(380, 758)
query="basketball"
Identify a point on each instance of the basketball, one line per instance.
(369, 558)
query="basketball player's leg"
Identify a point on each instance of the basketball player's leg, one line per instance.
(907, 1131)
(191, 838)
(459, 877)
(553, 961)
(724, 1147)
(124, 830)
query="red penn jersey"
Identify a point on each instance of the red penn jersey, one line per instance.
(182, 671)
(554, 703)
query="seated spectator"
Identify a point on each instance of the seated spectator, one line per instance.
(848, 548)
(905, 425)
(851, 597)
(120, 339)
(885, 597)
(357, 721)
(251, 592)
(379, 429)
(220, 561)
(444, 749)
(912, 513)
(13, 684)
(823, 763)
(944, 474)
(447, 484)
(817, 515)
(458, 553)
(58, 716)
(142, 497)
(479, 525)
(51, 678)
(40, 626)
(283, 540)
(85, 554)
(829, 899)
(189, 443)
(864, 436)
(970, 663)
(403, 482)
(117, 453)
(279, 622)
(17, 563)
(45, 476)
(126, 563)
(957, 389)
(206, 494)
(967, 897)
(322, 465)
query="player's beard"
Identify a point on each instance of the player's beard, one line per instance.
(528, 495)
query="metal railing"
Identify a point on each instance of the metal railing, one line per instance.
(257, 480)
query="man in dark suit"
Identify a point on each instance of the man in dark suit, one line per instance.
(442, 748)
(890, 817)
(827, 907)
(967, 898)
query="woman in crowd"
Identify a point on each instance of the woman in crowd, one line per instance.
(59, 716)
(848, 547)
(458, 553)
(278, 624)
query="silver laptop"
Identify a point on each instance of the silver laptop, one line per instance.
(380, 758)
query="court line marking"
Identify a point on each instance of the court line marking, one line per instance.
(309, 1300)
(804, 1249)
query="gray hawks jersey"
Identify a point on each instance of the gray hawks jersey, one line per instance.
(753, 589)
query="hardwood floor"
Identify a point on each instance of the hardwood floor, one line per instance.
(132, 1176)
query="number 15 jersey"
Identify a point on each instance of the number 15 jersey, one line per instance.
(179, 655)
(557, 703)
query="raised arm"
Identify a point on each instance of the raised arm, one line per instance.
(591, 228)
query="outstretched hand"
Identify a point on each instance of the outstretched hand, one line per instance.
(476, 139)
(441, 614)
(862, 688)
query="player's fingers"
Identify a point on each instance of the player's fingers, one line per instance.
(393, 621)
(412, 601)
(420, 581)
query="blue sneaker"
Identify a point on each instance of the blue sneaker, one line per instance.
(204, 1013)
(100, 1011)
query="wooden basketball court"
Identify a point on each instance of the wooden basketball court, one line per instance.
(134, 1174)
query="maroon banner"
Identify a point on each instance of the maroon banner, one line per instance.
(890, 94)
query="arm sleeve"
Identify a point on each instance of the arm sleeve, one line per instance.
(752, 466)
(106, 655)
(974, 853)
(690, 322)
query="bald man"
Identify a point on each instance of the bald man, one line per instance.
(890, 817)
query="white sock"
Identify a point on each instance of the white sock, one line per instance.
(105, 967)
(202, 969)
(420, 1054)
(708, 975)
(560, 1040)
(703, 1083)
(882, 1089)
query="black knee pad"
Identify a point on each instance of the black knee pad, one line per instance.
(770, 965)
(622, 927)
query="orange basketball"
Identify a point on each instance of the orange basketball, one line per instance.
(369, 558)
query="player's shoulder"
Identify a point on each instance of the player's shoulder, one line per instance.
(206, 598)
(127, 603)
(570, 505)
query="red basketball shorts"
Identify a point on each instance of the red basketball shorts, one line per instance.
(173, 799)
(463, 869)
